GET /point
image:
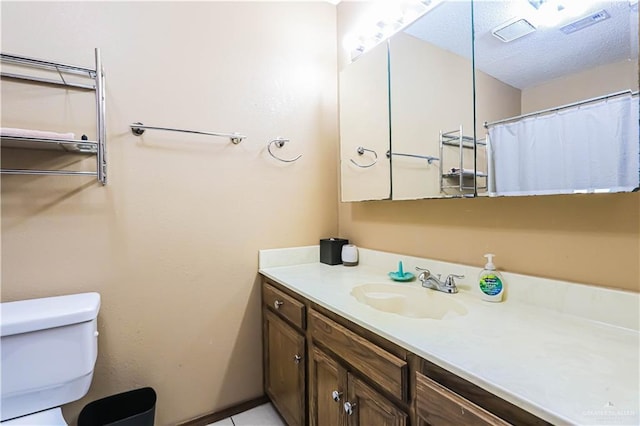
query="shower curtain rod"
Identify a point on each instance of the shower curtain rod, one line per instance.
(545, 111)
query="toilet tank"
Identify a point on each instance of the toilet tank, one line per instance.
(49, 348)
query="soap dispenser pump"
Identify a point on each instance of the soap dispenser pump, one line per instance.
(490, 281)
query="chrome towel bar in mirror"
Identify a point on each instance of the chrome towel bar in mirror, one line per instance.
(279, 143)
(429, 158)
(139, 128)
(361, 151)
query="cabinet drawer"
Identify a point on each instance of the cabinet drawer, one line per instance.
(285, 305)
(438, 406)
(383, 368)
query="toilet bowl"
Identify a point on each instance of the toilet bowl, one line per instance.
(49, 348)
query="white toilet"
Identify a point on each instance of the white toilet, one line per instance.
(49, 348)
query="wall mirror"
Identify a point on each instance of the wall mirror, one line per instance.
(406, 111)
(554, 93)
(431, 98)
(569, 71)
(364, 127)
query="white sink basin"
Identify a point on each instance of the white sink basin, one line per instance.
(409, 301)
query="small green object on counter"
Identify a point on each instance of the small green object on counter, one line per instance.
(400, 275)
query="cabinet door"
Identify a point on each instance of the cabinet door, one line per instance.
(366, 407)
(328, 391)
(284, 368)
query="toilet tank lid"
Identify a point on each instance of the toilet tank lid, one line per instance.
(23, 316)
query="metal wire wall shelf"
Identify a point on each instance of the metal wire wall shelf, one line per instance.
(69, 77)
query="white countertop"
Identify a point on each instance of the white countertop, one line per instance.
(564, 368)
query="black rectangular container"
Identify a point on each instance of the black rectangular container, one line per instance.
(133, 408)
(331, 250)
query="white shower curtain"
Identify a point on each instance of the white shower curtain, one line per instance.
(589, 148)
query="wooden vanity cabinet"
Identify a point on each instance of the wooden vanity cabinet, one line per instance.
(353, 381)
(443, 398)
(316, 362)
(284, 355)
(338, 397)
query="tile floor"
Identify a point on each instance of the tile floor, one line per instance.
(262, 415)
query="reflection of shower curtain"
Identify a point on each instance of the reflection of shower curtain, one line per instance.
(585, 148)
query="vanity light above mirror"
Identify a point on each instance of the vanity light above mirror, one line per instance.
(381, 20)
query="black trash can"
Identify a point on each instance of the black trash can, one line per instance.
(134, 408)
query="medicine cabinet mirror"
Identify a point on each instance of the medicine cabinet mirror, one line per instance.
(406, 112)
(555, 84)
(567, 75)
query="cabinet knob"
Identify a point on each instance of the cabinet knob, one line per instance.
(277, 304)
(349, 407)
(297, 358)
(336, 395)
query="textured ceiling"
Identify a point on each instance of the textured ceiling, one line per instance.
(542, 55)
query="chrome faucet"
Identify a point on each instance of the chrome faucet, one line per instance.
(429, 281)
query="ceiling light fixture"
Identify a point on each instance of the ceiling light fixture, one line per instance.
(538, 3)
(384, 19)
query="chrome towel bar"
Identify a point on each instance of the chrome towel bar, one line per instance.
(429, 158)
(47, 172)
(139, 128)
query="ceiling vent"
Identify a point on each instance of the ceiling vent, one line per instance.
(585, 22)
(513, 29)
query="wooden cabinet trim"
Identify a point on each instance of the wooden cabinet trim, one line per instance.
(386, 370)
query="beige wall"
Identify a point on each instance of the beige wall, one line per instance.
(590, 83)
(591, 239)
(171, 242)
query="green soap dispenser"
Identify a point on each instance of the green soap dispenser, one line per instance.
(490, 281)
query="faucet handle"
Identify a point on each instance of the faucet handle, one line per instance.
(424, 274)
(450, 281)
